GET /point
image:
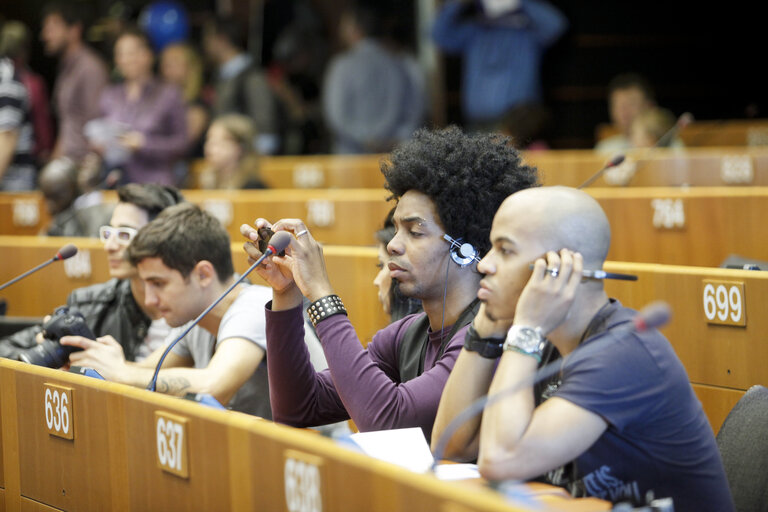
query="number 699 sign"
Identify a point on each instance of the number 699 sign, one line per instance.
(724, 303)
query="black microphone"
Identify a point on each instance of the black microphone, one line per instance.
(654, 315)
(613, 162)
(277, 243)
(65, 252)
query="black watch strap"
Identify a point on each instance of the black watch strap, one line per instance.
(489, 348)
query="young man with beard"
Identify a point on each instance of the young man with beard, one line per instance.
(447, 186)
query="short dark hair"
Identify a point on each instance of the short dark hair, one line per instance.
(73, 13)
(182, 236)
(466, 176)
(631, 81)
(149, 197)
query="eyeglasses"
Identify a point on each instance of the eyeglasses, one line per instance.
(123, 235)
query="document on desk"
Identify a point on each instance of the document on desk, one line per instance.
(408, 448)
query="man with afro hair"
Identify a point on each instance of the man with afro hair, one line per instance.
(447, 185)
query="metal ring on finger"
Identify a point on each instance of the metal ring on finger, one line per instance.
(302, 232)
(553, 271)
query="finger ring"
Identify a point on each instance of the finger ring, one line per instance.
(553, 272)
(302, 232)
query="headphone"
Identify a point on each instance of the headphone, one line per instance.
(462, 254)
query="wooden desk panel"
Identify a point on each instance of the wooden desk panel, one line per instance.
(723, 361)
(726, 132)
(236, 461)
(717, 222)
(351, 269)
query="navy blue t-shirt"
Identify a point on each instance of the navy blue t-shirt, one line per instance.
(658, 438)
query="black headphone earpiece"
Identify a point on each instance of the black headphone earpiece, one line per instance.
(462, 254)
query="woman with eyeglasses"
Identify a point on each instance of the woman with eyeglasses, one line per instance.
(116, 307)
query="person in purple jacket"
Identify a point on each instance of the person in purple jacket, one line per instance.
(447, 186)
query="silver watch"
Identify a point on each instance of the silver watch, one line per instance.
(526, 340)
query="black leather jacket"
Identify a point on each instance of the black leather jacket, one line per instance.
(108, 308)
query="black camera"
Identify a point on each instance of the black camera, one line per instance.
(264, 236)
(50, 353)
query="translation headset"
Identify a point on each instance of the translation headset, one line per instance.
(461, 253)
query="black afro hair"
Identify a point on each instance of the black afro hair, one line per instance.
(466, 176)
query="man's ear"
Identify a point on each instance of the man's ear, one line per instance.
(204, 273)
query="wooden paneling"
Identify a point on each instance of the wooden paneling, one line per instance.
(351, 269)
(236, 462)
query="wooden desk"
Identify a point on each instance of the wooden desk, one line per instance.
(727, 132)
(710, 166)
(694, 226)
(232, 461)
(722, 361)
(341, 217)
(352, 270)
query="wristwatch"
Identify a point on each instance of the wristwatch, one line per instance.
(526, 340)
(489, 348)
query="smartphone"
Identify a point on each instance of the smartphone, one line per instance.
(264, 236)
(602, 274)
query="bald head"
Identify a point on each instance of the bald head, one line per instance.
(561, 217)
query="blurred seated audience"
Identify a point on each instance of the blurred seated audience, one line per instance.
(58, 183)
(15, 44)
(231, 162)
(143, 130)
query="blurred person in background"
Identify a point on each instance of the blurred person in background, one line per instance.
(81, 78)
(502, 43)
(629, 94)
(143, 130)
(60, 188)
(241, 86)
(231, 162)
(17, 168)
(181, 66)
(15, 44)
(372, 99)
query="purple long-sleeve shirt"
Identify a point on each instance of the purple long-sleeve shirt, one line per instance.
(360, 383)
(160, 115)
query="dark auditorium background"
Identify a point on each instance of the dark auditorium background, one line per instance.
(701, 58)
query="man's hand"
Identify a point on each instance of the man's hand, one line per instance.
(547, 298)
(488, 328)
(305, 260)
(132, 140)
(105, 355)
(279, 277)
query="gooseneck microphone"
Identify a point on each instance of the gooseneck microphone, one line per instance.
(64, 253)
(654, 315)
(682, 122)
(613, 162)
(277, 243)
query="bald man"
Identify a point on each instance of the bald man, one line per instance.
(620, 419)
